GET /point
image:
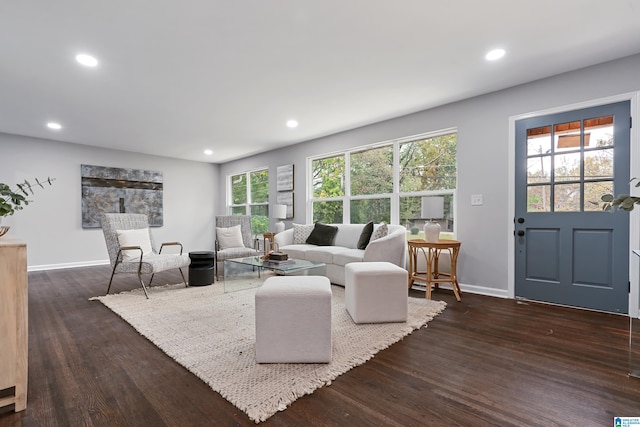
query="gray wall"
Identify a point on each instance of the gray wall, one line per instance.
(195, 192)
(52, 225)
(483, 160)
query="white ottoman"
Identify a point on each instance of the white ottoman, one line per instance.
(293, 320)
(376, 292)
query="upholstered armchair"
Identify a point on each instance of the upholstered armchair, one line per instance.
(233, 239)
(131, 248)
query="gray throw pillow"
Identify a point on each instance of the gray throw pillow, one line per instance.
(322, 234)
(367, 231)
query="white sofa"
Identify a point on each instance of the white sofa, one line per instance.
(391, 248)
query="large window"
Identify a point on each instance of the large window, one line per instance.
(388, 182)
(249, 195)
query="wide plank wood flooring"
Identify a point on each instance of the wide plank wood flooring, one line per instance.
(483, 362)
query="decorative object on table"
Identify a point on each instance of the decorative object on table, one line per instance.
(432, 208)
(279, 212)
(284, 177)
(12, 201)
(275, 255)
(117, 190)
(287, 200)
(174, 323)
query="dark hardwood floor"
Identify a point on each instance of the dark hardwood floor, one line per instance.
(483, 362)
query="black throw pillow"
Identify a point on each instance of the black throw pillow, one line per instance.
(322, 234)
(367, 231)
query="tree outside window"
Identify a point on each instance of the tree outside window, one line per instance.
(362, 186)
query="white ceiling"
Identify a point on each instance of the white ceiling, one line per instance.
(176, 77)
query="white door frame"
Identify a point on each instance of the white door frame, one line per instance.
(634, 217)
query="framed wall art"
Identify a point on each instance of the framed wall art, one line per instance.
(287, 200)
(284, 178)
(113, 190)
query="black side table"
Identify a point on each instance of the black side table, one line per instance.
(202, 268)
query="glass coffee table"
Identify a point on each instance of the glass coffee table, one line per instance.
(251, 272)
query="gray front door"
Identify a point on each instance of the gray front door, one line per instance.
(568, 251)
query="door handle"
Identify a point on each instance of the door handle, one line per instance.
(520, 220)
(520, 233)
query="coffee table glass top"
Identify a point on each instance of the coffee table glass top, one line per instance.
(287, 266)
(251, 272)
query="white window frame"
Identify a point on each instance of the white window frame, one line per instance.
(395, 195)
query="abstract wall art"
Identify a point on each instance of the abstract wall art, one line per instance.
(284, 178)
(112, 190)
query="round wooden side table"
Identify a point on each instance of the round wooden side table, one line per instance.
(431, 253)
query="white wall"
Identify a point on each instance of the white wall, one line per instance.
(52, 225)
(483, 161)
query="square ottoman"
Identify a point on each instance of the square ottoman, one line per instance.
(293, 320)
(376, 292)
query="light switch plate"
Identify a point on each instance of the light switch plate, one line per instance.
(476, 200)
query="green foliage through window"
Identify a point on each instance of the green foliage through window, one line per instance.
(370, 189)
(250, 196)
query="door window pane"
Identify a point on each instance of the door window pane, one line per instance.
(598, 164)
(566, 167)
(538, 169)
(539, 198)
(539, 141)
(601, 131)
(372, 171)
(593, 192)
(566, 197)
(376, 210)
(567, 136)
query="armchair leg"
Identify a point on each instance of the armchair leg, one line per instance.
(113, 271)
(186, 285)
(144, 288)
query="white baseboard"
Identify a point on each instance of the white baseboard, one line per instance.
(67, 265)
(473, 289)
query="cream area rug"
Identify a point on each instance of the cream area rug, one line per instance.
(212, 334)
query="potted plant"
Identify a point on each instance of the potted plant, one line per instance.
(12, 201)
(625, 202)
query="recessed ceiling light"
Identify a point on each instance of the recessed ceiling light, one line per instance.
(208, 152)
(54, 125)
(495, 54)
(87, 60)
(292, 124)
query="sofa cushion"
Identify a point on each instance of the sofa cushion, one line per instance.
(301, 233)
(322, 234)
(350, 255)
(367, 231)
(380, 231)
(323, 253)
(297, 251)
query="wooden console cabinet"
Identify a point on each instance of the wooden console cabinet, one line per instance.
(13, 323)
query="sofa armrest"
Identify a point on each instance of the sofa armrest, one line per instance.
(284, 238)
(391, 248)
